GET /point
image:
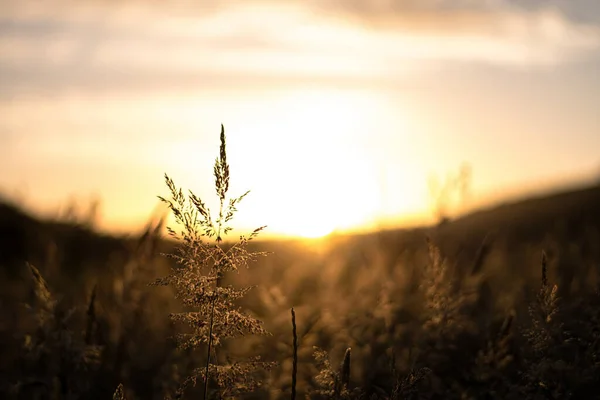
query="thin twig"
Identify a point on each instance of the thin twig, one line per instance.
(295, 362)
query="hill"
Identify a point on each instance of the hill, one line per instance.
(369, 292)
(570, 216)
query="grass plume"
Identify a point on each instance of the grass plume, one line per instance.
(213, 314)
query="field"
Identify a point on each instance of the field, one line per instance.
(500, 303)
(422, 219)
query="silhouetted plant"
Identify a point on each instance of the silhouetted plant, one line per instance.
(57, 357)
(443, 194)
(119, 393)
(333, 383)
(545, 337)
(198, 282)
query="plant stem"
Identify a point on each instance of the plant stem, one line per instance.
(295, 362)
(210, 329)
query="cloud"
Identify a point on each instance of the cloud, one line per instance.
(64, 46)
(380, 11)
(550, 32)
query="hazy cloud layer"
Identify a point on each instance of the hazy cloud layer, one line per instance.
(493, 79)
(578, 10)
(59, 46)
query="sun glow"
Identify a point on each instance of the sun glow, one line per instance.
(316, 161)
(316, 171)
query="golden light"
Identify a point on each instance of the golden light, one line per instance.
(314, 159)
(317, 173)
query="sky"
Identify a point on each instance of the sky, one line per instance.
(338, 114)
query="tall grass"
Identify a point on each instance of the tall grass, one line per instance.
(386, 316)
(212, 311)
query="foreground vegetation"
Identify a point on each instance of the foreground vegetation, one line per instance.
(501, 304)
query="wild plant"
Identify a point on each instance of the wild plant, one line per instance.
(134, 319)
(119, 393)
(493, 370)
(333, 383)
(58, 356)
(212, 313)
(443, 299)
(406, 386)
(545, 336)
(563, 357)
(444, 329)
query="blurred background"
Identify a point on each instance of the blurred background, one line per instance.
(412, 159)
(344, 112)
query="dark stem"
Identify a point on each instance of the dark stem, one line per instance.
(210, 329)
(219, 239)
(295, 361)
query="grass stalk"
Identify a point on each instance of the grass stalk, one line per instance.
(295, 359)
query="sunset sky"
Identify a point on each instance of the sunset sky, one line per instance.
(337, 112)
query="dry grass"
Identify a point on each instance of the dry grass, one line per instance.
(211, 311)
(453, 317)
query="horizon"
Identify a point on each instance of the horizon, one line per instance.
(488, 204)
(337, 118)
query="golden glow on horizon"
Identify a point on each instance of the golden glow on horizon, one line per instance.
(318, 171)
(316, 161)
(308, 228)
(333, 123)
(306, 158)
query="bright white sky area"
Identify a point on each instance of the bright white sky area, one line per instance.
(337, 113)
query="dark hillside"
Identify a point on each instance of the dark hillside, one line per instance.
(348, 291)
